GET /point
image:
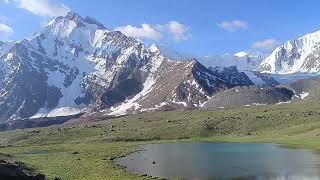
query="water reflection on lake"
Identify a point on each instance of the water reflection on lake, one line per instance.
(202, 160)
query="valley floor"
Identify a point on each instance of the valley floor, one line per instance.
(86, 151)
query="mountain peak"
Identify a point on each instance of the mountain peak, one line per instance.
(91, 20)
(87, 20)
(73, 16)
(154, 48)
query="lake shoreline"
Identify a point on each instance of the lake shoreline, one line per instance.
(216, 139)
(225, 142)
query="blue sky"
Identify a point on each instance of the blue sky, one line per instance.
(192, 26)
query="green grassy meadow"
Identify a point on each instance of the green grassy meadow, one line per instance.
(86, 151)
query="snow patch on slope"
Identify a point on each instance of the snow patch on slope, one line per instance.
(147, 87)
(132, 103)
(303, 95)
(58, 112)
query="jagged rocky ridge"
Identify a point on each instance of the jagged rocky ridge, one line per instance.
(76, 65)
(232, 75)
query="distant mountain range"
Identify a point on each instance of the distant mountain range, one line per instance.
(244, 60)
(76, 65)
(300, 55)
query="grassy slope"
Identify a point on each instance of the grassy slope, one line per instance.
(51, 150)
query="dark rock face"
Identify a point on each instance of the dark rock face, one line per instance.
(266, 78)
(24, 84)
(253, 95)
(312, 62)
(17, 171)
(36, 122)
(15, 96)
(232, 76)
(288, 56)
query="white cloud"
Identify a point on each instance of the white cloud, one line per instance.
(266, 44)
(233, 25)
(178, 30)
(48, 8)
(174, 29)
(5, 30)
(146, 31)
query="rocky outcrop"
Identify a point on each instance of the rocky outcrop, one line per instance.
(18, 171)
(247, 96)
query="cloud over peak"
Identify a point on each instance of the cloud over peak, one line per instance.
(47, 8)
(175, 29)
(5, 30)
(145, 31)
(266, 44)
(179, 31)
(233, 26)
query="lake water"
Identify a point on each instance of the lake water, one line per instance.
(202, 160)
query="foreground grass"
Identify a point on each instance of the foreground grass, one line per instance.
(85, 151)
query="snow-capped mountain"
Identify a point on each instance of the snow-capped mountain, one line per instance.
(5, 46)
(298, 55)
(75, 64)
(249, 60)
(244, 60)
